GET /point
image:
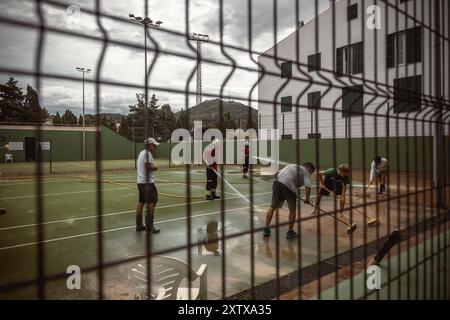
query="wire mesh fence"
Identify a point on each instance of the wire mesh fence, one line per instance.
(356, 106)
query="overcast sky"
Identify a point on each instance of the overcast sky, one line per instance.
(63, 53)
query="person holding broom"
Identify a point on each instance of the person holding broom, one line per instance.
(285, 188)
(336, 181)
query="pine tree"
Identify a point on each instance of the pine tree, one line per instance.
(68, 118)
(57, 118)
(12, 102)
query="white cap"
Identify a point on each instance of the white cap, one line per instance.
(151, 141)
(216, 141)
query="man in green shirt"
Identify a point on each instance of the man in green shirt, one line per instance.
(336, 181)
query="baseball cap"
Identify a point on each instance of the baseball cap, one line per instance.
(216, 141)
(151, 141)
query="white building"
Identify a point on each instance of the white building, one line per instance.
(400, 54)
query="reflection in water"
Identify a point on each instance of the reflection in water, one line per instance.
(265, 248)
(210, 239)
(288, 250)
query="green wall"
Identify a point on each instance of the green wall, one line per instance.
(401, 152)
(67, 145)
(404, 153)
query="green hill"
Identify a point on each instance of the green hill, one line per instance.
(209, 112)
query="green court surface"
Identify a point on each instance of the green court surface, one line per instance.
(24, 169)
(70, 230)
(427, 279)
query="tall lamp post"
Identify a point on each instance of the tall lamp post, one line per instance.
(199, 38)
(147, 23)
(84, 71)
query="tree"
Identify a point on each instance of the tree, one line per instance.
(167, 122)
(126, 127)
(68, 118)
(228, 123)
(57, 118)
(182, 121)
(108, 123)
(161, 120)
(32, 110)
(17, 107)
(12, 102)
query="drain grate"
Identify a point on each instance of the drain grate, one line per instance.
(289, 282)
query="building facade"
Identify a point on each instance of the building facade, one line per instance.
(359, 69)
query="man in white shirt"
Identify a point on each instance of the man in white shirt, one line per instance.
(146, 186)
(378, 170)
(285, 188)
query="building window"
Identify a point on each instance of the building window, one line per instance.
(314, 62)
(401, 48)
(352, 12)
(314, 136)
(352, 101)
(286, 137)
(286, 104)
(408, 94)
(350, 59)
(404, 47)
(314, 100)
(286, 69)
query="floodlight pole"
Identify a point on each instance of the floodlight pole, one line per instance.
(199, 38)
(83, 70)
(147, 23)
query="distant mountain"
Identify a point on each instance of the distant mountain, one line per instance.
(209, 112)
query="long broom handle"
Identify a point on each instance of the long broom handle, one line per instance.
(376, 176)
(346, 202)
(327, 213)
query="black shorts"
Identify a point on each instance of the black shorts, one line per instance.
(280, 194)
(331, 185)
(211, 179)
(147, 193)
(245, 165)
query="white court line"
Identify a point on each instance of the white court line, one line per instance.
(116, 213)
(83, 165)
(116, 229)
(60, 194)
(85, 191)
(11, 183)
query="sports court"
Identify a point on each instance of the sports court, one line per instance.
(108, 107)
(70, 230)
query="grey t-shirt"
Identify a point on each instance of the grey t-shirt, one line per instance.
(289, 177)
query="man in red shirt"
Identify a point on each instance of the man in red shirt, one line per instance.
(245, 166)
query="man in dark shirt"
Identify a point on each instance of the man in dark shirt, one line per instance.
(336, 181)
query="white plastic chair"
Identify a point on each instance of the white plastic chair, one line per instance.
(167, 275)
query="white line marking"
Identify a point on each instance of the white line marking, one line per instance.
(60, 194)
(115, 213)
(84, 191)
(116, 229)
(11, 183)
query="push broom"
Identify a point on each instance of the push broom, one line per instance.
(350, 227)
(370, 220)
